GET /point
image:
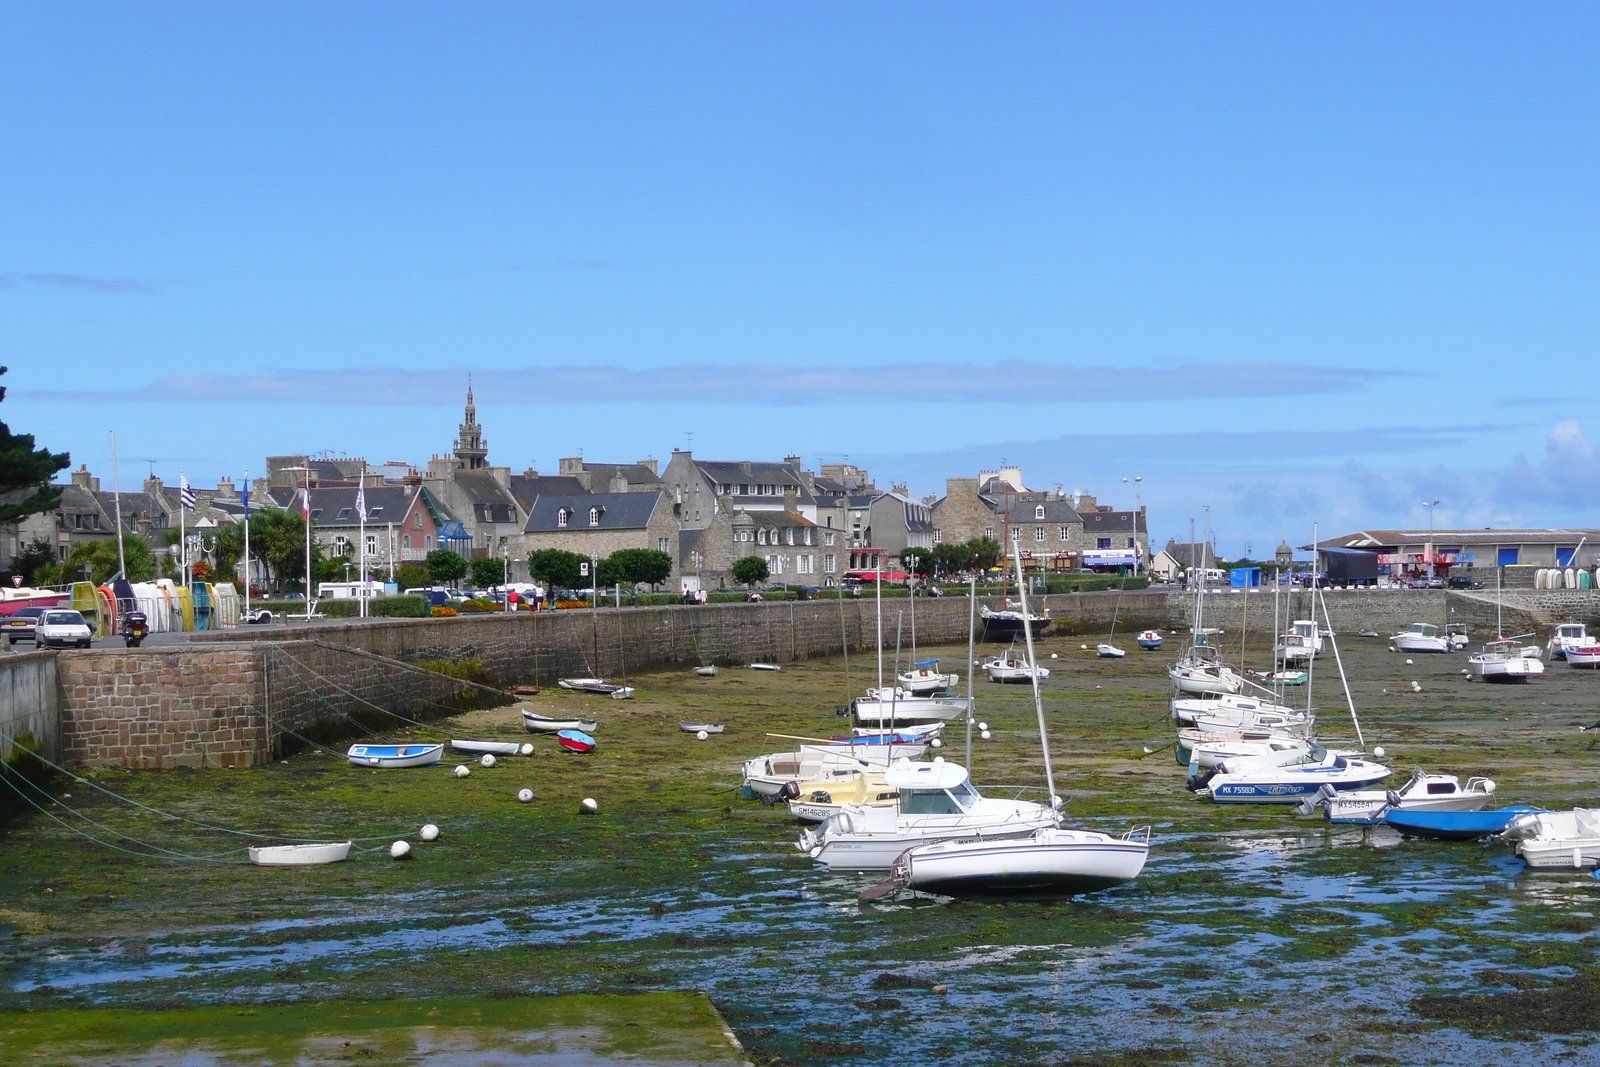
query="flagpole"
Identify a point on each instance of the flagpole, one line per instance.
(183, 533)
(116, 495)
(247, 543)
(305, 515)
(361, 542)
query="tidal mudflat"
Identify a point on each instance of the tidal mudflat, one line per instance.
(1254, 936)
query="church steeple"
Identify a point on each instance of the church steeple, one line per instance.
(472, 451)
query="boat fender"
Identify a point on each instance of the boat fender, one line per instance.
(462, 770)
(984, 735)
(936, 743)
(1488, 786)
(400, 850)
(588, 806)
(429, 832)
(1379, 753)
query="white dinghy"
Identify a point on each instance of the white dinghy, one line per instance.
(496, 748)
(925, 678)
(300, 855)
(1556, 839)
(1105, 651)
(535, 723)
(880, 707)
(707, 672)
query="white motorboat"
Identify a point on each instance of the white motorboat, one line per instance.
(543, 724)
(1150, 640)
(1010, 667)
(880, 707)
(1422, 792)
(1422, 637)
(1568, 634)
(1586, 657)
(1207, 750)
(1202, 671)
(1248, 781)
(925, 677)
(1504, 660)
(495, 748)
(1050, 862)
(937, 803)
(816, 802)
(300, 855)
(1108, 651)
(1556, 839)
(1303, 642)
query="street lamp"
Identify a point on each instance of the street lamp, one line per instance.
(1430, 505)
(1137, 554)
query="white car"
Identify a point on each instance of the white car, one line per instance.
(60, 627)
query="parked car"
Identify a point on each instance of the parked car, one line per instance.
(60, 627)
(1425, 583)
(20, 624)
(1461, 581)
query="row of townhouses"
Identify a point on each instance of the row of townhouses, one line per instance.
(811, 528)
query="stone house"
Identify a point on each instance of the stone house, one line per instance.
(897, 522)
(796, 550)
(598, 524)
(1177, 557)
(1049, 532)
(697, 488)
(402, 524)
(964, 512)
(1115, 538)
(640, 477)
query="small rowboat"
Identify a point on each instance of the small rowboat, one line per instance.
(1150, 639)
(593, 685)
(544, 724)
(497, 748)
(1280, 677)
(707, 672)
(524, 690)
(624, 692)
(1109, 652)
(299, 855)
(575, 741)
(697, 727)
(395, 755)
(765, 667)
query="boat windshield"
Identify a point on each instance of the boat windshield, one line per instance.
(928, 802)
(1317, 754)
(965, 795)
(1425, 629)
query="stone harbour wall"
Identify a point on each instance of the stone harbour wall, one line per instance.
(30, 704)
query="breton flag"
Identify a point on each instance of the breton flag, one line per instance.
(185, 493)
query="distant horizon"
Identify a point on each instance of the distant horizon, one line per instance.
(1303, 265)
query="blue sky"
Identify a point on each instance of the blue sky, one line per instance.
(1300, 263)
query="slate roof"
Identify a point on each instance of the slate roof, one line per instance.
(636, 473)
(336, 508)
(779, 474)
(528, 489)
(1186, 553)
(490, 501)
(618, 511)
(1057, 511)
(1113, 522)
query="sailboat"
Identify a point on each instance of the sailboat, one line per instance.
(884, 706)
(1107, 649)
(1051, 861)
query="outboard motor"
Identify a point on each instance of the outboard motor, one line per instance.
(1198, 782)
(1521, 828)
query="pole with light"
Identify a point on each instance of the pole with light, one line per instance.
(1430, 505)
(1138, 554)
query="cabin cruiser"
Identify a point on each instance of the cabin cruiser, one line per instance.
(1569, 634)
(1301, 643)
(1253, 781)
(937, 803)
(1422, 792)
(1422, 637)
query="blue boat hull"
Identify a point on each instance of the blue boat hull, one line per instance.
(1453, 825)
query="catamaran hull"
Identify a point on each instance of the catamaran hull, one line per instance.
(1029, 867)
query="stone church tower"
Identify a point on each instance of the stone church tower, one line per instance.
(472, 451)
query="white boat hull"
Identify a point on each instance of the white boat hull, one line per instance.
(921, 683)
(1416, 643)
(909, 710)
(1497, 668)
(1202, 681)
(497, 748)
(1109, 652)
(1586, 657)
(1048, 862)
(869, 851)
(1557, 839)
(542, 724)
(300, 855)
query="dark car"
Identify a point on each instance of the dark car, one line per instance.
(19, 625)
(1461, 581)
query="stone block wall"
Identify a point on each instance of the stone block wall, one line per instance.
(30, 703)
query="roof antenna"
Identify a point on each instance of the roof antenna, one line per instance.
(688, 436)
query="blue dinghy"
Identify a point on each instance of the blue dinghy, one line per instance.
(394, 755)
(1453, 825)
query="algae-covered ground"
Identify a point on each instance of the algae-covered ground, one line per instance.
(1255, 936)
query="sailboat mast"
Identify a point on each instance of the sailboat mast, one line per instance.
(1033, 674)
(116, 495)
(972, 663)
(1311, 664)
(879, 573)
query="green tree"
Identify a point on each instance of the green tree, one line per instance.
(25, 473)
(609, 572)
(487, 571)
(984, 553)
(412, 576)
(100, 559)
(918, 561)
(556, 568)
(749, 571)
(278, 539)
(445, 567)
(640, 566)
(36, 564)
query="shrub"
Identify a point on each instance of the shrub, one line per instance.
(572, 603)
(399, 607)
(479, 606)
(444, 613)
(338, 609)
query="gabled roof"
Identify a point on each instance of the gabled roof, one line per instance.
(527, 489)
(783, 474)
(770, 519)
(491, 502)
(1105, 522)
(635, 473)
(336, 508)
(617, 511)
(1186, 553)
(1060, 511)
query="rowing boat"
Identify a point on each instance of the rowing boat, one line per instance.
(701, 727)
(391, 756)
(575, 740)
(544, 724)
(497, 748)
(300, 855)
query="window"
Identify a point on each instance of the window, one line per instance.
(594, 516)
(374, 513)
(938, 537)
(1104, 542)
(372, 544)
(788, 536)
(661, 544)
(1038, 511)
(1130, 542)
(775, 564)
(1038, 533)
(427, 542)
(418, 523)
(988, 531)
(405, 541)
(562, 514)
(827, 538)
(809, 536)
(830, 562)
(927, 802)
(744, 489)
(344, 513)
(341, 547)
(1066, 533)
(316, 513)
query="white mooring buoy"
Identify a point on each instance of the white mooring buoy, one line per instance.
(462, 770)
(700, 735)
(487, 760)
(429, 832)
(400, 850)
(525, 795)
(984, 735)
(588, 806)
(527, 748)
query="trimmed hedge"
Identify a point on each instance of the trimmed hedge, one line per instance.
(399, 607)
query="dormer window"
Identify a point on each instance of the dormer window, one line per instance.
(594, 516)
(1038, 511)
(562, 515)
(374, 513)
(344, 513)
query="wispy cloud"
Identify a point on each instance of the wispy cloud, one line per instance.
(84, 283)
(748, 383)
